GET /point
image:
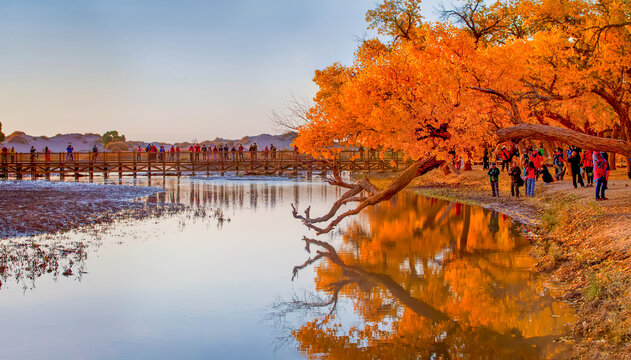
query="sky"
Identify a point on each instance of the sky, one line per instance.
(164, 70)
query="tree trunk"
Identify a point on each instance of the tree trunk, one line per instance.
(551, 133)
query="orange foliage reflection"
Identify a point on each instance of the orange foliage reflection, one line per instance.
(428, 277)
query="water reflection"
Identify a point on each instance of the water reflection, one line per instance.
(24, 260)
(238, 195)
(426, 279)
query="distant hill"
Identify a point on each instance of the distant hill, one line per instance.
(84, 142)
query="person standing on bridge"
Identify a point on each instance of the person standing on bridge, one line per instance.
(225, 151)
(233, 150)
(273, 150)
(69, 151)
(241, 148)
(204, 152)
(47, 153)
(95, 152)
(5, 152)
(33, 153)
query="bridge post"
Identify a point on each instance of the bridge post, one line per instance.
(134, 158)
(74, 163)
(149, 164)
(177, 164)
(62, 167)
(18, 167)
(164, 166)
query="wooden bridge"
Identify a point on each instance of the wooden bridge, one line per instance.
(77, 164)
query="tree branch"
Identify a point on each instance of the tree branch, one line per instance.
(419, 167)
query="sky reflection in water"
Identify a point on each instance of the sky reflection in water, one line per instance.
(186, 286)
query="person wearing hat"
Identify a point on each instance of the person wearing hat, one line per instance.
(494, 173)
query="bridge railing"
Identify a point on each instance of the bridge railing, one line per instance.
(188, 157)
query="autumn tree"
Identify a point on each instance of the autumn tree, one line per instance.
(1, 133)
(549, 70)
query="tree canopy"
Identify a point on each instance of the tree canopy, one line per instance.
(435, 88)
(112, 136)
(1, 133)
(550, 70)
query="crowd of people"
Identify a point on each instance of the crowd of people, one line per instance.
(201, 152)
(196, 153)
(588, 168)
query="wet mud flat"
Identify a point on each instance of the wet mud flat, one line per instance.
(34, 207)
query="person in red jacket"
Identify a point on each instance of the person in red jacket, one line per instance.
(506, 157)
(530, 172)
(600, 175)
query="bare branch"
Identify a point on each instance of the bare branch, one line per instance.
(420, 167)
(293, 116)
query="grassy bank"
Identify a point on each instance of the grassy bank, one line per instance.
(584, 244)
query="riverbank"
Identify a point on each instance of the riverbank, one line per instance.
(582, 243)
(34, 207)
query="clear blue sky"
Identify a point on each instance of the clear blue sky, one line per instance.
(166, 70)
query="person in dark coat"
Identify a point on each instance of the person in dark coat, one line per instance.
(516, 180)
(575, 163)
(546, 176)
(494, 173)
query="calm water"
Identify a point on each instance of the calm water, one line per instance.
(410, 278)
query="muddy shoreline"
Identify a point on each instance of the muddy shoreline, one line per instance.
(35, 207)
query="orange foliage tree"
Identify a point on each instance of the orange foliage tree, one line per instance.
(545, 69)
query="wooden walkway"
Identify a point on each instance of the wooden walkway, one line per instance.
(20, 165)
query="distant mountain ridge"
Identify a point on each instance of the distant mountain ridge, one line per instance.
(22, 142)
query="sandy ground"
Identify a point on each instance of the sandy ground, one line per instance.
(32, 207)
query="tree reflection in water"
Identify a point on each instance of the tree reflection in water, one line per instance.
(429, 278)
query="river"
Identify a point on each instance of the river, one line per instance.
(231, 277)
